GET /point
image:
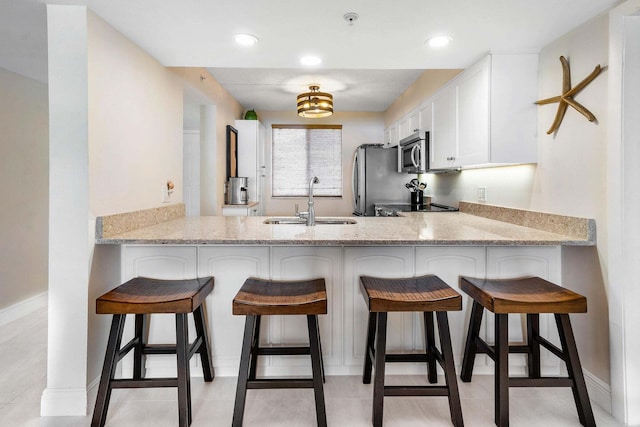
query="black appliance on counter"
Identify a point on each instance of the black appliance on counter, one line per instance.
(392, 209)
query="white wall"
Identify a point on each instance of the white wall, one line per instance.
(116, 138)
(24, 150)
(357, 128)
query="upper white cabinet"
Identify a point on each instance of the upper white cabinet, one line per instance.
(391, 135)
(486, 115)
(251, 161)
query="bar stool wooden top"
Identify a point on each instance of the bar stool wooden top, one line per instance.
(269, 297)
(523, 295)
(143, 295)
(424, 293)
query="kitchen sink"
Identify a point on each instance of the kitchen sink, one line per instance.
(303, 221)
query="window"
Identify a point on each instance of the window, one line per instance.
(301, 152)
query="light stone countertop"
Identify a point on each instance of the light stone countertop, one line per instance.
(434, 228)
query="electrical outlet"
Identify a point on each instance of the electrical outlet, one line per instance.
(482, 194)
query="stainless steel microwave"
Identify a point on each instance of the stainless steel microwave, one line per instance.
(413, 152)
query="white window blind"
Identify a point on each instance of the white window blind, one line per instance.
(300, 152)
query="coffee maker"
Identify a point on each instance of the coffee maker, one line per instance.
(235, 191)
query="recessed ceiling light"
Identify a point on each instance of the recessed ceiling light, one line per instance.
(440, 40)
(310, 60)
(245, 39)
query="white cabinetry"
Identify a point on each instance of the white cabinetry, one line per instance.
(300, 263)
(486, 115)
(380, 262)
(230, 266)
(251, 209)
(391, 135)
(447, 263)
(442, 153)
(251, 161)
(503, 262)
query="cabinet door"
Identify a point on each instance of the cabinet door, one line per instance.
(448, 263)
(404, 127)
(414, 121)
(159, 262)
(473, 115)
(541, 261)
(424, 117)
(230, 266)
(444, 129)
(394, 261)
(235, 210)
(296, 263)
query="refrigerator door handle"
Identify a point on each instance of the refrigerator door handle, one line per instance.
(354, 175)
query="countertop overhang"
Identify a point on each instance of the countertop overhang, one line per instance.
(437, 228)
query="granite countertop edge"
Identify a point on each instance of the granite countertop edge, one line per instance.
(474, 225)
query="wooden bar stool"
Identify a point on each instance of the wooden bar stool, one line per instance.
(532, 296)
(143, 296)
(259, 297)
(427, 294)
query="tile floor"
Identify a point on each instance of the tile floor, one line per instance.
(348, 401)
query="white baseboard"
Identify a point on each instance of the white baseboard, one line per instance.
(23, 308)
(63, 402)
(599, 391)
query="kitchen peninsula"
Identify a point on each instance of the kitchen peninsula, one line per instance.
(480, 241)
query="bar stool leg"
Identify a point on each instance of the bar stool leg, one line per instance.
(243, 372)
(449, 369)
(324, 380)
(579, 387)
(200, 320)
(533, 356)
(430, 347)
(502, 370)
(184, 387)
(141, 335)
(316, 365)
(471, 347)
(369, 351)
(108, 371)
(255, 345)
(378, 380)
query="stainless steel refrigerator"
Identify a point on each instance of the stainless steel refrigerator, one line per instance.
(376, 178)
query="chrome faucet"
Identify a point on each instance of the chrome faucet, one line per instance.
(310, 214)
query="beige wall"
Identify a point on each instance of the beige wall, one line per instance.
(426, 85)
(357, 128)
(217, 105)
(135, 125)
(24, 150)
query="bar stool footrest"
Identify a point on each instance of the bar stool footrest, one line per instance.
(540, 382)
(415, 390)
(283, 351)
(266, 383)
(144, 383)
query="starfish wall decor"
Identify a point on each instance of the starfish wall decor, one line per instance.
(568, 93)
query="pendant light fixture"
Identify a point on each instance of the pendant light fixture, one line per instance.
(315, 104)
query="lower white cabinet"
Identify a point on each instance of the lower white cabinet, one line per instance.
(448, 263)
(299, 263)
(376, 261)
(230, 266)
(343, 329)
(252, 209)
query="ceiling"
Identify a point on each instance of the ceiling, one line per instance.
(366, 65)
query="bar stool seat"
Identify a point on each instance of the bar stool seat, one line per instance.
(143, 296)
(426, 294)
(531, 296)
(258, 297)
